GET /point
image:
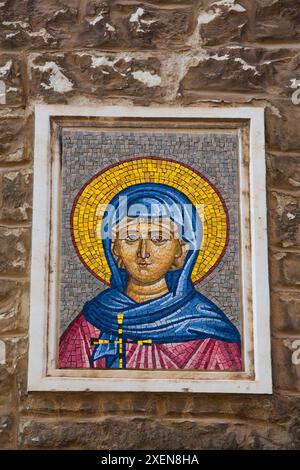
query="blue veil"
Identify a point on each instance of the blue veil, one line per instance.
(183, 314)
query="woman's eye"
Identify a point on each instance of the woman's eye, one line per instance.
(132, 238)
(158, 239)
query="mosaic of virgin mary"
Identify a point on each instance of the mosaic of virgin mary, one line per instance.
(151, 316)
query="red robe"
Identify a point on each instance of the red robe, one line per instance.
(75, 351)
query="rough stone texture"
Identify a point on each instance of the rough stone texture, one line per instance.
(286, 375)
(282, 126)
(153, 434)
(6, 429)
(235, 69)
(171, 52)
(16, 195)
(59, 77)
(278, 19)
(284, 172)
(13, 298)
(37, 24)
(284, 215)
(285, 268)
(14, 250)
(135, 25)
(11, 75)
(286, 312)
(16, 139)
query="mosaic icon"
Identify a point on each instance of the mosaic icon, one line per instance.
(150, 229)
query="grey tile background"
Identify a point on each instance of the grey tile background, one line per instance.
(86, 152)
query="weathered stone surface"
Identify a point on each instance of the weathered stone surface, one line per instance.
(6, 387)
(285, 408)
(263, 20)
(16, 195)
(277, 411)
(90, 404)
(285, 268)
(98, 26)
(284, 218)
(15, 145)
(150, 434)
(283, 126)
(279, 19)
(286, 372)
(11, 82)
(199, 407)
(294, 430)
(148, 27)
(283, 72)
(38, 24)
(6, 430)
(284, 171)
(227, 70)
(236, 69)
(290, 265)
(137, 26)
(271, 408)
(14, 250)
(220, 22)
(285, 308)
(13, 311)
(16, 352)
(58, 77)
(87, 404)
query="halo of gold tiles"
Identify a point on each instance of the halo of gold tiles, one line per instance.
(89, 207)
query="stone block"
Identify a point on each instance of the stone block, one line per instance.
(140, 433)
(38, 24)
(16, 204)
(285, 311)
(55, 403)
(6, 386)
(59, 77)
(16, 351)
(284, 269)
(148, 27)
(221, 22)
(86, 404)
(284, 171)
(11, 81)
(286, 364)
(283, 126)
(229, 70)
(15, 142)
(7, 431)
(13, 306)
(238, 71)
(14, 250)
(137, 26)
(277, 19)
(284, 219)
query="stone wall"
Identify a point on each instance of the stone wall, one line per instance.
(157, 52)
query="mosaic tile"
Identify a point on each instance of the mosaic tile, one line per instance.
(204, 168)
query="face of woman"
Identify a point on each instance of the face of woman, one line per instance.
(147, 250)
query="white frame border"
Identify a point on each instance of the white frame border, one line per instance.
(38, 373)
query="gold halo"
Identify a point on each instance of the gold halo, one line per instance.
(86, 216)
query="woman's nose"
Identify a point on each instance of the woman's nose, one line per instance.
(143, 251)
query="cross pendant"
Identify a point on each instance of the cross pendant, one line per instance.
(120, 342)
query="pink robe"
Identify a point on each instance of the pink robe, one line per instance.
(75, 351)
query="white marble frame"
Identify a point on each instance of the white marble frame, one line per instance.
(42, 372)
